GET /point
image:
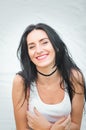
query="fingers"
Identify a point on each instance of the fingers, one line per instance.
(67, 123)
(68, 120)
(68, 126)
(29, 119)
(62, 120)
(33, 113)
(33, 116)
(36, 112)
(30, 116)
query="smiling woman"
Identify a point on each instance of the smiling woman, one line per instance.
(40, 50)
(49, 81)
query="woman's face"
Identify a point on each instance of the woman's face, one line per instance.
(40, 49)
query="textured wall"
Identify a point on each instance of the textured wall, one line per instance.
(68, 17)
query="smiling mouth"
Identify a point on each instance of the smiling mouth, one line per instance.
(42, 57)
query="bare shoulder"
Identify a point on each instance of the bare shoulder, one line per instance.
(18, 82)
(77, 80)
(18, 89)
(77, 74)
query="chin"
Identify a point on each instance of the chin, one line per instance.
(44, 65)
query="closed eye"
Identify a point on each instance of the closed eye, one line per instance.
(30, 47)
(45, 42)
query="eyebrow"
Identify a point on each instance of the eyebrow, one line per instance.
(39, 41)
(43, 39)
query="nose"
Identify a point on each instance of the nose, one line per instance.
(38, 49)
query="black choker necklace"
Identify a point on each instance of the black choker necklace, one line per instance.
(47, 74)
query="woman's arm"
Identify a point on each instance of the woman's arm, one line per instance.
(78, 101)
(77, 106)
(19, 103)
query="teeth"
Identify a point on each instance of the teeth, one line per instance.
(41, 57)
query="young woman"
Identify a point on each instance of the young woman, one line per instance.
(49, 93)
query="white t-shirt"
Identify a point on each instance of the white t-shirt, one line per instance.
(52, 112)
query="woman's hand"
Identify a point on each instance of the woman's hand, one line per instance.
(37, 121)
(63, 124)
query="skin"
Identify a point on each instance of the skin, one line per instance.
(42, 55)
(41, 51)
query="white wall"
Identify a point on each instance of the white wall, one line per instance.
(68, 17)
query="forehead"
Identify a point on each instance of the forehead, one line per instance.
(36, 35)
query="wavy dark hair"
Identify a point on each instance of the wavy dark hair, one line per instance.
(63, 59)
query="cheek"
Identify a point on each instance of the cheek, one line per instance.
(51, 48)
(31, 54)
(52, 51)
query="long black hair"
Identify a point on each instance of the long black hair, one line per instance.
(63, 59)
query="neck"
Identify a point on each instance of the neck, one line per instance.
(46, 80)
(47, 74)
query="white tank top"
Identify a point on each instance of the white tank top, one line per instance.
(52, 112)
